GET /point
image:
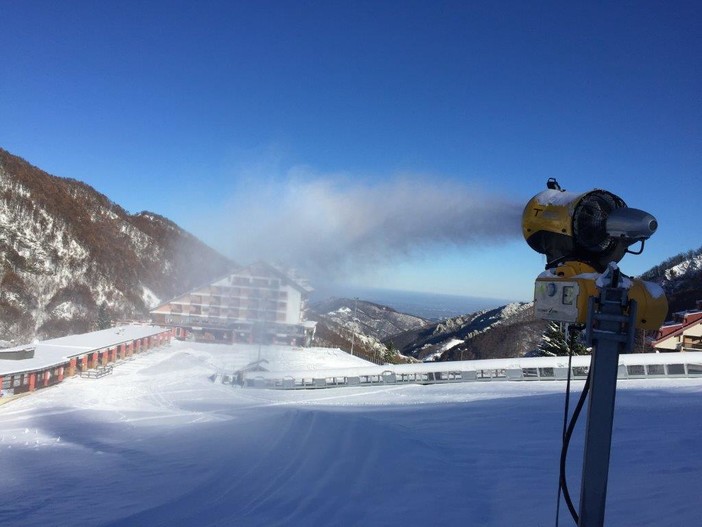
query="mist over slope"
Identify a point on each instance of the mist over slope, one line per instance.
(332, 225)
(65, 249)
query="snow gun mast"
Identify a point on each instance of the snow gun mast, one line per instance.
(583, 237)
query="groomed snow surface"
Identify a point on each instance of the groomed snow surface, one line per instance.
(158, 443)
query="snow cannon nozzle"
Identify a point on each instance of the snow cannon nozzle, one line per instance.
(632, 224)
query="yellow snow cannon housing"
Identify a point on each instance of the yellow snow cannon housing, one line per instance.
(561, 294)
(581, 234)
(568, 226)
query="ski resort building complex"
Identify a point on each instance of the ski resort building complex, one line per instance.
(255, 304)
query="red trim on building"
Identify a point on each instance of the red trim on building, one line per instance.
(675, 330)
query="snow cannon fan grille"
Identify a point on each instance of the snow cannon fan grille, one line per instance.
(590, 228)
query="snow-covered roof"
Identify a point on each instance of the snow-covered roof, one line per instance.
(52, 352)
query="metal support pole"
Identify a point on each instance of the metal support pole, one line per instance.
(610, 331)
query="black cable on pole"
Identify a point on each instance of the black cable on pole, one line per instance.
(566, 407)
(566, 442)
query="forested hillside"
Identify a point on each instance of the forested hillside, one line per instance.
(66, 249)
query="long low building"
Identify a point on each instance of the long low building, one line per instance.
(27, 368)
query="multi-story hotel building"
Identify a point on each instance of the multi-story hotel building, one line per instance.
(259, 303)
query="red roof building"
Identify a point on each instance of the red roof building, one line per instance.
(683, 334)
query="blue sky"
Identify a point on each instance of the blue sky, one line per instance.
(213, 113)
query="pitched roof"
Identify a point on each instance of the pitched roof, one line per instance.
(689, 319)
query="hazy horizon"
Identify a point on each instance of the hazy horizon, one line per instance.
(435, 306)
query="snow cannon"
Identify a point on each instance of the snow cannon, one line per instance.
(594, 227)
(584, 235)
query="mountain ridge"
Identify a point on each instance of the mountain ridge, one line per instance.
(360, 325)
(680, 276)
(509, 331)
(65, 248)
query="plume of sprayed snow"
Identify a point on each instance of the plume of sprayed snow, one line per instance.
(332, 226)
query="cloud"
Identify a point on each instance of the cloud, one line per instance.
(335, 226)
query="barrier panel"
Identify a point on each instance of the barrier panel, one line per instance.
(633, 366)
(96, 373)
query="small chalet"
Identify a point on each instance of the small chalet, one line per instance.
(255, 304)
(684, 333)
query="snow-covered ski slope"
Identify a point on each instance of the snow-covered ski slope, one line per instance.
(158, 443)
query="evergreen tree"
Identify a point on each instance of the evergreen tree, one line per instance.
(390, 353)
(553, 341)
(103, 321)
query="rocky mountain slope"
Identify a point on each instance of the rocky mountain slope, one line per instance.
(379, 332)
(512, 330)
(681, 279)
(344, 322)
(507, 331)
(66, 249)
